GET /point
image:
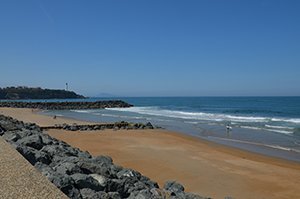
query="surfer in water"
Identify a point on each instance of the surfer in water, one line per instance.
(228, 128)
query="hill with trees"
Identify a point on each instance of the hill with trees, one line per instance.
(22, 92)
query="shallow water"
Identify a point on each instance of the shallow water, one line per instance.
(267, 125)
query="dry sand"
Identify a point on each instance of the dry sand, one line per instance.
(203, 167)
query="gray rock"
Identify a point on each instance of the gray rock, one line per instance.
(117, 185)
(47, 140)
(25, 132)
(102, 159)
(149, 126)
(42, 157)
(63, 182)
(32, 155)
(114, 195)
(35, 141)
(174, 187)
(68, 168)
(128, 173)
(144, 194)
(1, 131)
(88, 193)
(159, 193)
(11, 136)
(101, 179)
(27, 153)
(194, 196)
(82, 181)
(73, 128)
(90, 167)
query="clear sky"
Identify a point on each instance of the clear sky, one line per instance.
(152, 48)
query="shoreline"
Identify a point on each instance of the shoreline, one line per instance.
(241, 173)
(226, 148)
(227, 145)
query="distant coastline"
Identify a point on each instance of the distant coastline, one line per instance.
(23, 93)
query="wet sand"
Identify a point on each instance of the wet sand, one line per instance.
(202, 167)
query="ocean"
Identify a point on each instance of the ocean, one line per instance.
(266, 125)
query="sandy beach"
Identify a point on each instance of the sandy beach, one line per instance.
(202, 167)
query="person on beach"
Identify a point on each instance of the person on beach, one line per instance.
(228, 128)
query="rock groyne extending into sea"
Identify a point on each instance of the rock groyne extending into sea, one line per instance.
(78, 174)
(66, 105)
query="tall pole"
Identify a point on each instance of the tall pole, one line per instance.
(67, 87)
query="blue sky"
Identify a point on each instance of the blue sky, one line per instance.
(152, 48)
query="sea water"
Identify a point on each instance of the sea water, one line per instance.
(267, 125)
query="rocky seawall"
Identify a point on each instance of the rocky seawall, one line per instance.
(77, 173)
(95, 127)
(66, 105)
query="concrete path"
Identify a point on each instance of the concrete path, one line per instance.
(20, 180)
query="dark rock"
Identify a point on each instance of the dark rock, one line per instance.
(33, 155)
(90, 167)
(91, 194)
(68, 168)
(84, 181)
(73, 128)
(35, 141)
(28, 153)
(173, 187)
(114, 195)
(1, 131)
(128, 173)
(25, 132)
(149, 126)
(103, 159)
(101, 179)
(66, 105)
(11, 136)
(47, 140)
(194, 196)
(143, 194)
(117, 185)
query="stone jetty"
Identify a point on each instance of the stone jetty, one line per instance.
(66, 105)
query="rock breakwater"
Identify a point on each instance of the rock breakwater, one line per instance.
(77, 173)
(94, 127)
(66, 105)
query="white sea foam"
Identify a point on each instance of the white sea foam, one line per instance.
(190, 115)
(251, 127)
(258, 144)
(85, 111)
(292, 120)
(121, 116)
(278, 127)
(279, 131)
(203, 116)
(268, 129)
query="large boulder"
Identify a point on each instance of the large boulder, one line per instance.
(87, 193)
(82, 181)
(32, 155)
(128, 173)
(34, 141)
(174, 187)
(11, 136)
(101, 179)
(68, 168)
